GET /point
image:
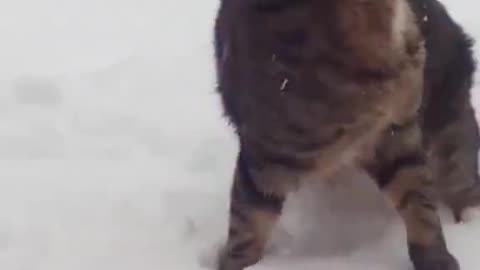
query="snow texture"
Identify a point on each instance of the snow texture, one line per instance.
(114, 154)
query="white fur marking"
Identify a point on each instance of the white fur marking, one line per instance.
(284, 84)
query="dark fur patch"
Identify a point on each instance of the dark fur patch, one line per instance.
(449, 127)
(426, 257)
(247, 192)
(386, 173)
(450, 66)
(420, 199)
(272, 6)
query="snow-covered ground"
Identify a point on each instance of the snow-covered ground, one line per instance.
(114, 154)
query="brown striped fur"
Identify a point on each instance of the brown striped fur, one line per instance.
(450, 130)
(312, 86)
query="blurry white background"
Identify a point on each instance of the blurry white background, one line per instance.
(114, 154)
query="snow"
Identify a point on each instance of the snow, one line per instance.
(114, 154)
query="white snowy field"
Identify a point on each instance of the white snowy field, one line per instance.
(114, 154)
